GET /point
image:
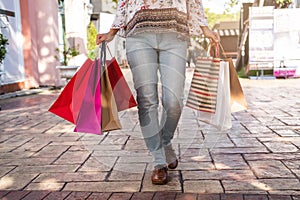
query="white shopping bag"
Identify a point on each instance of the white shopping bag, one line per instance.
(221, 118)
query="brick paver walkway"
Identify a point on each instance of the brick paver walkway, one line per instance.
(259, 158)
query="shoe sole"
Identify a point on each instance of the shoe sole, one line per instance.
(160, 183)
(173, 167)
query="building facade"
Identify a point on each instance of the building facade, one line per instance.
(33, 29)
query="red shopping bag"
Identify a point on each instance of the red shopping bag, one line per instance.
(64, 106)
(80, 100)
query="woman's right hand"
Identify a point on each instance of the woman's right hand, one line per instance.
(107, 37)
(213, 36)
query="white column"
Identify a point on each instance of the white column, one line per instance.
(77, 19)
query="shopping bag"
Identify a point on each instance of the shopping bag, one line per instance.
(122, 93)
(89, 115)
(203, 91)
(221, 119)
(209, 93)
(110, 118)
(237, 97)
(87, 100)
(69, 101)
(80, 100)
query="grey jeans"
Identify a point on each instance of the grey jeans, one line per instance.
(148, 54)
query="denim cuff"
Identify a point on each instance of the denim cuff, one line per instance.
(170, 153)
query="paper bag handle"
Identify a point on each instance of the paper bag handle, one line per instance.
(106, 46)
(222, 50)
(103, 54)
(216, 53)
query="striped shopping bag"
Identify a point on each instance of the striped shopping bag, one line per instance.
(203, 91)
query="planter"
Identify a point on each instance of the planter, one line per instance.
(67, 72)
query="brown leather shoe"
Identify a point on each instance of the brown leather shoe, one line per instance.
(160, 176)
(173, 164)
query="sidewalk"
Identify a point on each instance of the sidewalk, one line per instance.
(259, 158)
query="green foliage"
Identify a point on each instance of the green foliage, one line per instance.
(67, 54)
(230, 4)
(242, 73)
(91, 36)
(214, 18)
(71, 52)
(3, 51)
(93, 53)
(283, 3)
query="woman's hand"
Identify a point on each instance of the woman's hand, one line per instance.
(109, 36)
(213, 36)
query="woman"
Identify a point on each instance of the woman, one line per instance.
(156, 34)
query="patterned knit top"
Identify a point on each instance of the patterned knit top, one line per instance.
(182, 16)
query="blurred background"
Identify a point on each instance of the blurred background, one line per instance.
(44, 42)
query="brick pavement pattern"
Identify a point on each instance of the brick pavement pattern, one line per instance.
(259, 158)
